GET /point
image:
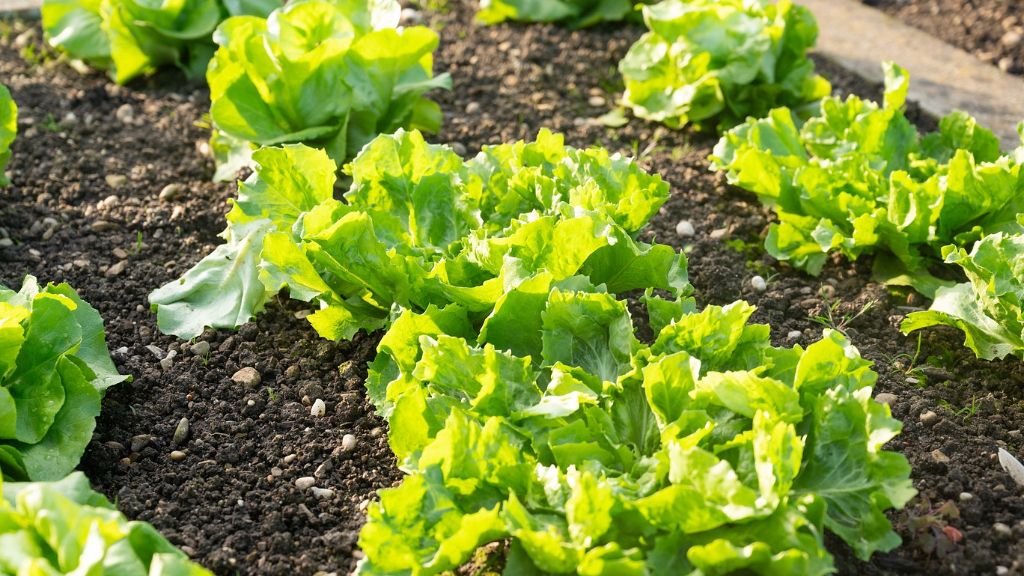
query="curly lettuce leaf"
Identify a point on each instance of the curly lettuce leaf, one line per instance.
(63, 527)
(8, 130)
(573, 13)
(54, 369)
(859, 179)
(709, 452)
(331, 75)
(419, 228)
(713, 63)
(989, 307)
(131, 38)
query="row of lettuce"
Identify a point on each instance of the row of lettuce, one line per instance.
(847, 176)
(522, 404)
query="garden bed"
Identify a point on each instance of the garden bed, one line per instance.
(84, 206)
(992, 30)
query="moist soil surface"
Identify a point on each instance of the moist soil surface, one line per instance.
(84, 207)
(992, 30)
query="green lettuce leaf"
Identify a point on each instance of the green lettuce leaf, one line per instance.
(63, 527)
(859, 179)
(54, 369)
(8, 130)
(574, 13)
(989, 307)
(708, 452)
(420, 228)
(329, 74)
(713, 63)
(130, 38)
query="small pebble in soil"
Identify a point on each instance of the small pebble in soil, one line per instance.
(116, 269)
(928, 418)
(139, 442)
(1002, 570)
(168, 360)
(103, 225)
(472, 108)
(181, 432)
(290, 458)
(171, 192)
(125, 114)
(305, 482)
(201, 348)
(114, 181)
(412, 16)
(322, 493)
(155, 350)
(318, 409)
(966, 496)
(886, 398)
(324, 469)
(758, 284)
(940, 457)
(177, 456)
(348, 442)
(247, 377)
(1002, 530)
(794, 335)
(935, 373)
(718, 233)
(596, 102)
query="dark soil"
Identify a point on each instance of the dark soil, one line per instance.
(992, 30)
(232, 502)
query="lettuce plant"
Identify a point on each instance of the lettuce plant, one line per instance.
(989, 307)
(130, 38)
(859, 179)
(420, 227)
(712, 63)
(332, 75)
(707, 451)
(54, 369)
(575, 13)
(65, 528)
(8, 130)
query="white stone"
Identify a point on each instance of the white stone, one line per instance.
(348, 442)
(685, 228)
(758, 284)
